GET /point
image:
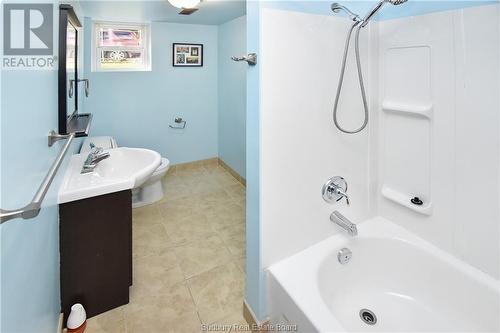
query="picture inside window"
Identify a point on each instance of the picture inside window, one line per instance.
(121, 47)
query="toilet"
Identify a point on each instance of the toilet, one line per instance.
(152, 190)
(149, 192)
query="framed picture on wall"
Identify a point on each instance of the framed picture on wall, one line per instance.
(187, 55)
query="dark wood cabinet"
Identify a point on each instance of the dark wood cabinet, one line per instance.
(96, 252)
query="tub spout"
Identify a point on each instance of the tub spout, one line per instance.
(344, 223)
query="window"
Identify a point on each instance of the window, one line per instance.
(121, 47)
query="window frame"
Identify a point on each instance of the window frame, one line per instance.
(145, 48)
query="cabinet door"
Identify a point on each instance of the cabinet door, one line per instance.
(96, 252)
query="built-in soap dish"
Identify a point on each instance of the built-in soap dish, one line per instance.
(424, 110)
(414, 203)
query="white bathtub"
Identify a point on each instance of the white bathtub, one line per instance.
(409, 284)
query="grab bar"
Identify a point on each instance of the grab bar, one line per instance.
(32, 209)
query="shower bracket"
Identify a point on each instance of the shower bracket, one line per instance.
(251, 59)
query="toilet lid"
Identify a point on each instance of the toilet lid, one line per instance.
(164, 164)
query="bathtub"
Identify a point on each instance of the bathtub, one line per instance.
(394, 282)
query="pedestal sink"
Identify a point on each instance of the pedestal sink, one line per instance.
(126, 168)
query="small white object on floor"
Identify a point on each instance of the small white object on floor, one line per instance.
(76, 317)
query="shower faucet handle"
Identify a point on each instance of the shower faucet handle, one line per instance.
(335, 189)
(342, 194)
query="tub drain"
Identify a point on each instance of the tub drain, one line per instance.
(368, 317)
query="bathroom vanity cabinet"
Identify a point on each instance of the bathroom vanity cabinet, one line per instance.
(96, 252)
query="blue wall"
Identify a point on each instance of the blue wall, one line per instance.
(255, 287)
(29, 248)
(232, 95)
(137, 107)
(29, 253)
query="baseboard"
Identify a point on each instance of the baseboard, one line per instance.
(60, 324)
(233, 172)
(252, 320)
(188, 165)
(211, 161)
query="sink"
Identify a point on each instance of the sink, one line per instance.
(125, 169)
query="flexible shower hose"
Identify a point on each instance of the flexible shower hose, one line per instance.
(360, 77)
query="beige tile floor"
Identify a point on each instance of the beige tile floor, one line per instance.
(188, 257)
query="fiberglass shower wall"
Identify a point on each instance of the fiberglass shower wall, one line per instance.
(439, 129)
(301, 149)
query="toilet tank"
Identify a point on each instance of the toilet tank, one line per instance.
(106, 142)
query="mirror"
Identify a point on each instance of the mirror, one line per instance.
(70, 119)
(71, 71)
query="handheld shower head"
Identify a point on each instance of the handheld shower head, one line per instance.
(336, 8)
(356, 25)
(378, 7)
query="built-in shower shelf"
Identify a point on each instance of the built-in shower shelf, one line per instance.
(405, 200)
(414, 110)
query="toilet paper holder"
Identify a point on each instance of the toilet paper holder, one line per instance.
(181, 123)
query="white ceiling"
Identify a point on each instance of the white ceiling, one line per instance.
(210, 11)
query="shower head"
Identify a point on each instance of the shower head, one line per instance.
(378, 7)
(336, 8)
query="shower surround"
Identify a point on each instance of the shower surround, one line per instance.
(433, 95)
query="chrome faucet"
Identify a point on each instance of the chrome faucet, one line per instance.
(344, 223)
(340, 192)
(95, 156)
(335, 189)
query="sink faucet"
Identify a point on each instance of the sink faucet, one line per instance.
(96, 155)
(344, 223)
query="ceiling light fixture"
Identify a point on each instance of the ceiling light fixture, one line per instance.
(184, 3)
